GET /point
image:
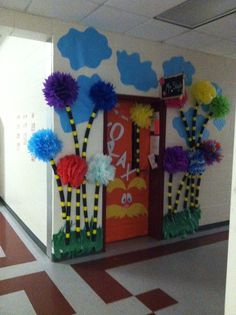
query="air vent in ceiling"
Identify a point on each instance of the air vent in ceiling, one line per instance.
(194, 13)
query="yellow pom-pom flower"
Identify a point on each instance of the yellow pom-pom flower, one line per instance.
(141, 115)
(203, 91)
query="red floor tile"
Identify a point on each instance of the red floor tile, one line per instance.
(44, 296)
(103, 284)
(15, 250)
(93, 272)
(156, 299)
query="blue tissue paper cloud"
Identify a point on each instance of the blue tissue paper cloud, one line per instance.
(219, 123)
(84, 49)
(83, 107)
(177, 65)
(178, 125)
(136, 73)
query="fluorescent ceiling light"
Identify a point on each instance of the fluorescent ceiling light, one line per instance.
(194, 13)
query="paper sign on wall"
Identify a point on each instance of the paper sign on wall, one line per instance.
(154, 145)
(152, 160)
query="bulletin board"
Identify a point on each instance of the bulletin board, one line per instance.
(129, 203)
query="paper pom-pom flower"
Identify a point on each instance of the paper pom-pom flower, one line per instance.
(72, 170)
(44, 145)
(212, 151)
(175, 160)
(100, 169)
(141, 115)
(220, 106)
(203, 92)
(60, 90)
(197, 163)
(103, 95)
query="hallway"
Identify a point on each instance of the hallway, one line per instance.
(137, 277)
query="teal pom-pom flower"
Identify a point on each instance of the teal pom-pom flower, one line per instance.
(44, 145)
(100, 169)
(197, 163)
(103, 95)
(220, 106)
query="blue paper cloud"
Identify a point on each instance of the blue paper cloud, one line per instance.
(83, 107)
(136, 73)
(84, 49)
(219, 123)
(177, 65)
(178, 125)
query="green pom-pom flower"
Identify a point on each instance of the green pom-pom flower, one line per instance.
(220, 106)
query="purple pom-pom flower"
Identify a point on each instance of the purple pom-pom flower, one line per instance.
(212, 151)
(60, 90)
(103, 95)
(175, 160)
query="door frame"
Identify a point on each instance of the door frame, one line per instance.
(156, 176)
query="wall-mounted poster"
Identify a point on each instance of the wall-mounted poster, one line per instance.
(173, 87)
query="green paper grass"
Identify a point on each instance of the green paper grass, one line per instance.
(77, 247)
(220, 106)
(181, 223)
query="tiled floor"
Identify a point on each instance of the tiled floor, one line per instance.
(137, 277)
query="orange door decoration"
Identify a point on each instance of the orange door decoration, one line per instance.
(127, 195)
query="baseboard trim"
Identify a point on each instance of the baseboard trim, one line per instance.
(24, 226)
(213, 225)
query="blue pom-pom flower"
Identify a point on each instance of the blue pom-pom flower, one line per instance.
(44, 145)
(197, 163)
(100, 169)
(103, 95)
(60, 90)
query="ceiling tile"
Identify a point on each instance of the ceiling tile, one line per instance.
(192, 40)
(67, 10)
(113, 20)
(19, 5)
(224, 27)
(156, 30)
(222, 47)
(148, 8)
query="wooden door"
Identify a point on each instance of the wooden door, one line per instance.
(129, 209)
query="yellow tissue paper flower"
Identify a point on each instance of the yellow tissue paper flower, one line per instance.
(203, 91)
(141, 115)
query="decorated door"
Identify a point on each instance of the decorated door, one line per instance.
(127, 197)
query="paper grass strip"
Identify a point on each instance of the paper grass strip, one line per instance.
(141, 115)
(61, 91)
(72, 170)
(182, 182)
(100, 172)
(45, 145)
(181, 224)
